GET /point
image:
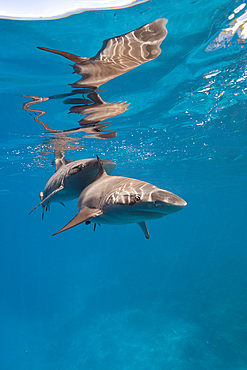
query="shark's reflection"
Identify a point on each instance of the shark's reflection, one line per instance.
(117, 56)
(98, 111)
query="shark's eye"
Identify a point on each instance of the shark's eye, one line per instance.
(137, 198)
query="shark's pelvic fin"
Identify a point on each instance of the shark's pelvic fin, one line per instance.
(55, 191)
(73, 57)
(85, 214)
(144, 228)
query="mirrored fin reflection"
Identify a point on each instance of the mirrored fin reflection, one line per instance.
(97, 111)
(59, 141)
(117, 56)
(57, 144)
(35, 100)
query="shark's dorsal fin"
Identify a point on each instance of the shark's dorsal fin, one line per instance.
(85, 214)
(73, 57)
(144, 228)
(58, 162)
(55, 191)
(101, 170)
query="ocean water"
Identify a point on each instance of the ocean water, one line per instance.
(111, 299)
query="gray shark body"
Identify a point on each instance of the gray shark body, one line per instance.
(70, 179)
(117, 200)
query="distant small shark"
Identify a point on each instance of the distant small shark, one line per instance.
(116, 200)
(70, 179)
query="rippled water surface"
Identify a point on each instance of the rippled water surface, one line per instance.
(160, 89)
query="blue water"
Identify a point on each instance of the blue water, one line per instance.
(111, 299)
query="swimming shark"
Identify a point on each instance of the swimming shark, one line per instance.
(69, 179)
(117, 200)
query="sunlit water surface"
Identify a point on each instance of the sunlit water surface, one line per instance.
(111, 299)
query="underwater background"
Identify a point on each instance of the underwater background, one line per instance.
(111, 299)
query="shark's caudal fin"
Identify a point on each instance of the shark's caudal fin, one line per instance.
(55, 191)
(74, 58)
(84, 215)
(144, 228)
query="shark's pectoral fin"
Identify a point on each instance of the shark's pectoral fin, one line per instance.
(85, 214)
(144, 228)
(54, 192)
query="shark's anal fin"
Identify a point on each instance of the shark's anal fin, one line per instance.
(85, 214)
(61, 187)
(144, 228)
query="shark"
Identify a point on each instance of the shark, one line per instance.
(117, 200)
(69, 179)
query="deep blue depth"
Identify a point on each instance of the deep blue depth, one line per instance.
(110, 299)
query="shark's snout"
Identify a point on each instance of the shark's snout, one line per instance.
(168, 202)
